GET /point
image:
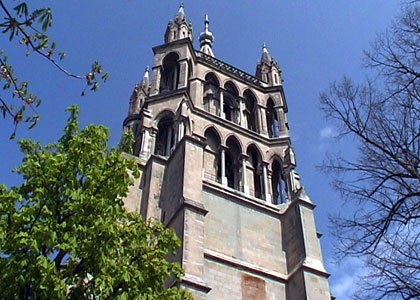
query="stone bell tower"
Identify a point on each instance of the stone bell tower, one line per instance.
(217, 165)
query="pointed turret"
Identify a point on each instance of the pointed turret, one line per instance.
(268, 69)
(141, 91)
(145, 81)
(266, 57)
(206, 39)
(179, 28)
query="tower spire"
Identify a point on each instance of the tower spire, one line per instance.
(179, 28)
(266, 57)
(145, 81)
(206, 38)
(181, 13)
(268, 69)
(140, 92)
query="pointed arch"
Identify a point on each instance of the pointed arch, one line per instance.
(232, 162)
(273, 123)
(255, 146)
(232, 137)
(251, 110)
(170, 73)
(213, 139)
(211, 93)
(231, 102)
(213, 78)
(165, 137)
(254, 171)
(211, 159)
(231, 87)
(164, 114)
(279, 189)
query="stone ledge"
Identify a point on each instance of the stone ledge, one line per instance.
(311, 265)
(244, 198)
(195, 283)
(219, 257)
(187, 203)
(307, 264)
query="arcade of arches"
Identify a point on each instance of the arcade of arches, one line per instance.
(245, 172)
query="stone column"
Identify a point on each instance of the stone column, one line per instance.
(153, 134)
(183, 74)
(245, 187)
(288, 188)
(263, 115)
(222, 164)
(144, 136)
(180, 130)
(241, 112)
(156, 80)
(265, 181)
(146, 144)
(221, 113)
(168, 141)
(270, 185)
(281, 117)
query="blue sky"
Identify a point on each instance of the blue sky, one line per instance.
(314, 42)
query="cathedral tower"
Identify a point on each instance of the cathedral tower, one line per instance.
(217, 165)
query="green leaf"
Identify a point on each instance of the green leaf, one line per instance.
(21, 9)
(65, 225)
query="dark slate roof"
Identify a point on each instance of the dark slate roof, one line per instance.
(230, 69)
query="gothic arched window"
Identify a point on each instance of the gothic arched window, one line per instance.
(232, 162)
(211, 93)
(211, 161)
(278, 184)
(250, 111)
(272, 120)
(169, 73)
(230, 103)
(254, 163)
(165, 138)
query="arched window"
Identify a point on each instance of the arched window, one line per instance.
(211, 94)
(211, 161)
(272, 120)
(170, 73)
(278, 184)
(139, 139)
(165, 138)
(255, 173)
(232, 163)
(250, 111)
(230, 103)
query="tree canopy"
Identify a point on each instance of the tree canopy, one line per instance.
(65, 234)
(383, 181)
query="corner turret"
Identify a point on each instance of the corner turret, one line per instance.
(179, 28)
(141, 91)
(268, 69)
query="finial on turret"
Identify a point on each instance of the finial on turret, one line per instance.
(145, 80)
(265, 55)
(181, 13)
(206, 22)
(206, 38)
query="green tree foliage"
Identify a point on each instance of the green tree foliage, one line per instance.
(30, 28)
(65, 234)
